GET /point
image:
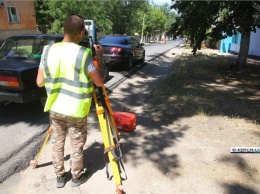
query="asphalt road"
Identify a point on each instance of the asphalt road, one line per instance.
(152, 50)
(23, 126)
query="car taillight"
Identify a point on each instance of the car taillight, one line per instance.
(116, 50)
(9, 81)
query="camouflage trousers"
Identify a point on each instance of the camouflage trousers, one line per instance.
(77, 129)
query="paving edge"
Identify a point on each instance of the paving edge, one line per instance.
(21, 160)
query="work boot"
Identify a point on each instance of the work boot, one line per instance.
(61, 180)
(82, 179)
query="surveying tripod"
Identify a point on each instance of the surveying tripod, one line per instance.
(110, 135)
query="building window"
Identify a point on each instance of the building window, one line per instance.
(13, 15)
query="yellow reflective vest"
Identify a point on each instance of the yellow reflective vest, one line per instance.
(69, 89)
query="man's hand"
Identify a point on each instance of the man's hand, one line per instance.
(99, 54)
(98, 75)
(99, 51)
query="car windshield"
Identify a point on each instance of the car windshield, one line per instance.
(24, 47)
(113, 40)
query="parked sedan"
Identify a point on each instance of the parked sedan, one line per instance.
(122, 50)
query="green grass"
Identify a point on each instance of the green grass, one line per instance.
(24, 49)
(205, 84)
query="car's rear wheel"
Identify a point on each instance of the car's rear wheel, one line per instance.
(130, 62)
(106, 71)
(143, 57)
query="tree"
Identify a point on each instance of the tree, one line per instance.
(155, 22)
(43, 19)
(51, 14)
(125, 15)
(170, 15)
(113, 16)
(205, 19)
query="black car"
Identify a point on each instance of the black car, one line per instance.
(122, 50)
(19, 62)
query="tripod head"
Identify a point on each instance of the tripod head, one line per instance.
(90, 37)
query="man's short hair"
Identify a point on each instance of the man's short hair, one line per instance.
(74, 24)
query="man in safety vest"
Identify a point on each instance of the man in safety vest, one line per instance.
(68, 73)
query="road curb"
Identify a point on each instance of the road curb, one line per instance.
(20, 160)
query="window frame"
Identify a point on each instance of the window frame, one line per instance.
(134, 41)
(9, 14)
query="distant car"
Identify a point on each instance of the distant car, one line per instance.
(19, 62)
(122, 50)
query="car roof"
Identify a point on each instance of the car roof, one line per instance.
(118, 35)
(50, 36)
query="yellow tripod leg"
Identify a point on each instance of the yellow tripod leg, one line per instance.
(110, 108)
(108, 144)
(37, 158)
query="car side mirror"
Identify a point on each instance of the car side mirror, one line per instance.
(141, 44)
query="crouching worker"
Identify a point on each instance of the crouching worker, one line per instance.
(68, 73)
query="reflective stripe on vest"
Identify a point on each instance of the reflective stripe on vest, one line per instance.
(75, 82)
(73, 88)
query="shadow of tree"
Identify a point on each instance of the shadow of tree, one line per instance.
(238, 189)
(241, 165)
(196, 89)
(207, 87)
(157, 138)
(28, 113)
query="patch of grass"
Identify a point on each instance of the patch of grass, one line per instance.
(205, 84)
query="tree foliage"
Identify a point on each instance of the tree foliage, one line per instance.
(57, 11)
(201, 20)
(125, 15)
(116, 16)
(156, 22)
(111, 16)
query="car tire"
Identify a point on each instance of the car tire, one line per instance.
(143, 58)
(106, 71)
(130, 62)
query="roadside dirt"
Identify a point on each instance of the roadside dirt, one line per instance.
(184, 155)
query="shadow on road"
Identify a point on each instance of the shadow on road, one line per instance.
(220, 93)
(151, 138)
(238, 189)
(30, 112)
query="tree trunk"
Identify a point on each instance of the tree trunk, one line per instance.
(243, 51)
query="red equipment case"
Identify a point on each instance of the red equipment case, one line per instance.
(125, 121)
